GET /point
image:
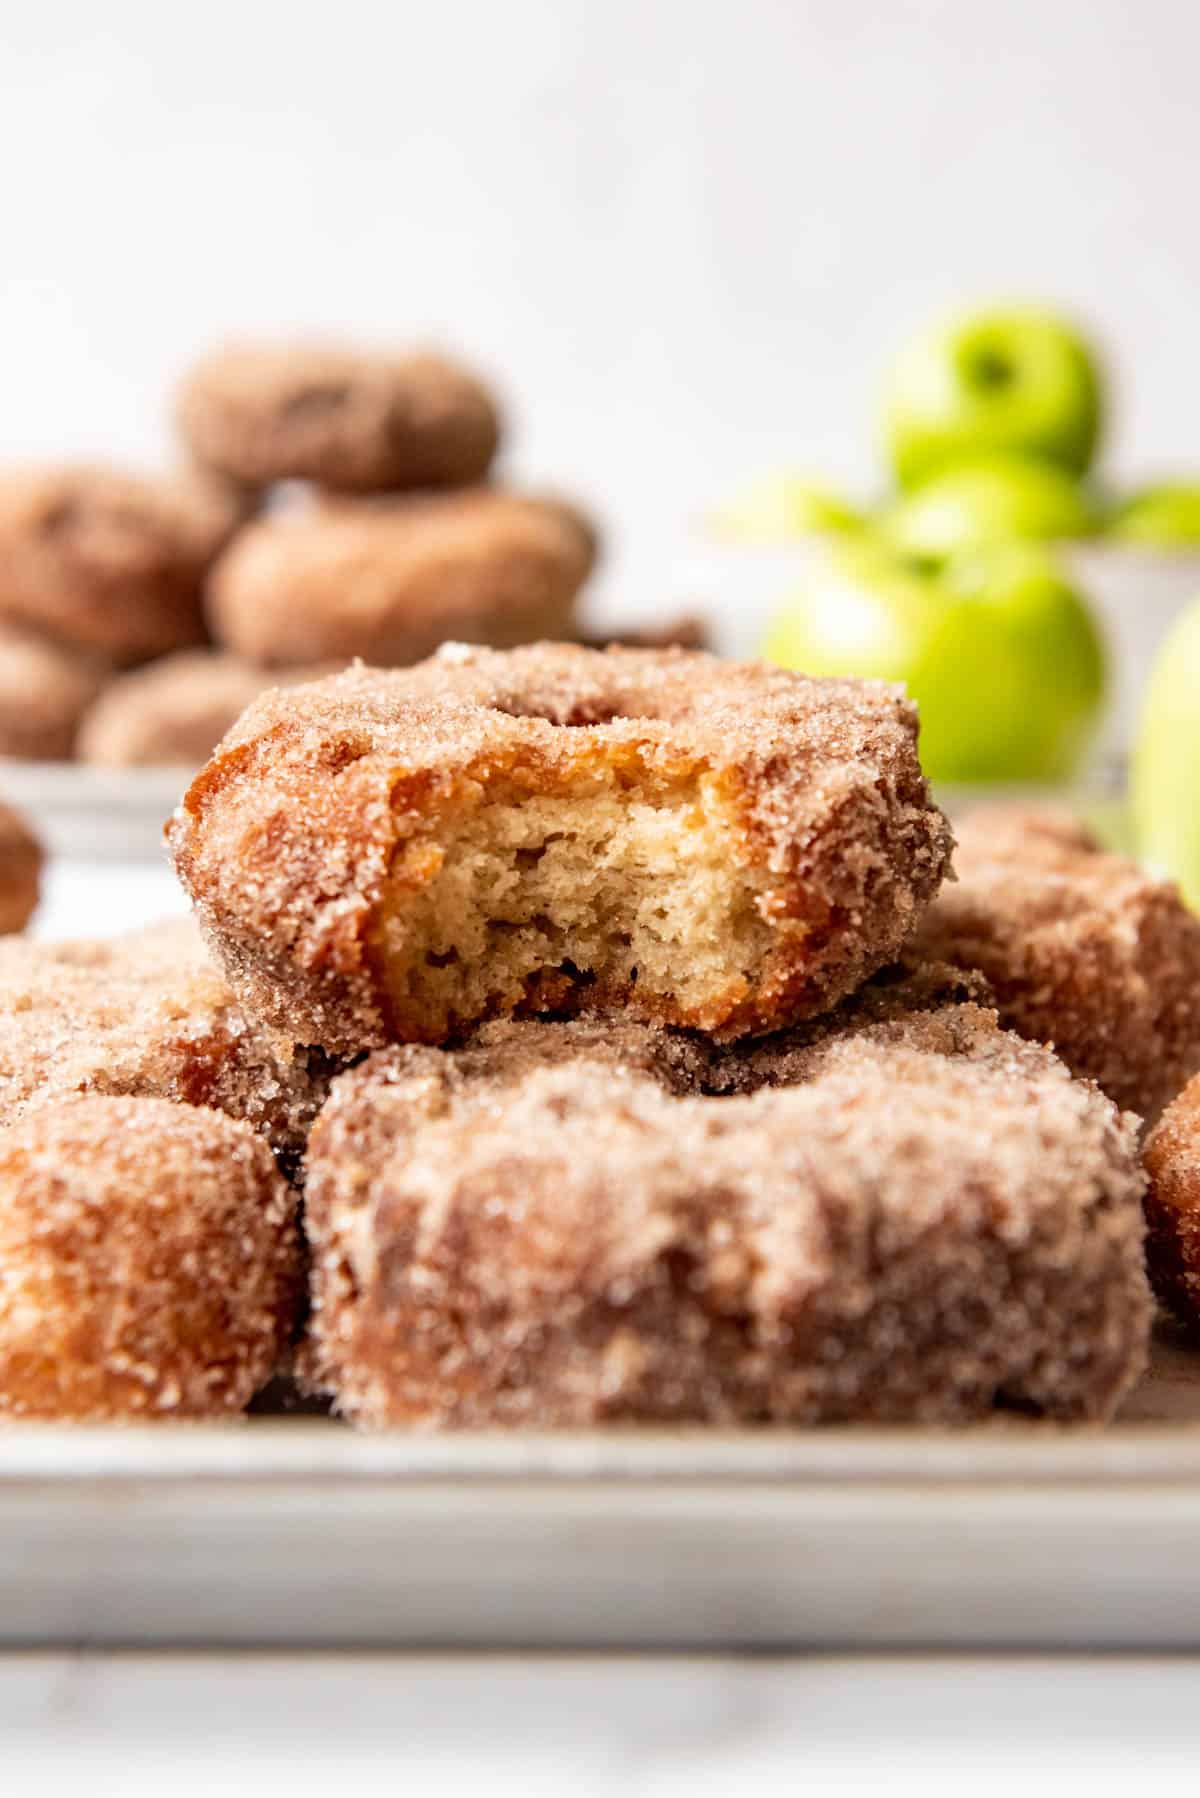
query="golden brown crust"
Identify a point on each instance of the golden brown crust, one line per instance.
(146, 1015)
(348, 420)
(21, 861)
(1173, 1206)
(295, 839)
(1082, 950)
(176, 710)
(391, 581)
(110, 563)
(151, 1261)
(931, 1219)
(44, 691)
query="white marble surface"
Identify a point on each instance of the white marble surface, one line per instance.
(589, 1726)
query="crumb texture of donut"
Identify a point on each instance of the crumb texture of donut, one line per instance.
(1082, 949)
(151, 1262)
(1173, 1207)
(21, 861)
(931, 1222)
(396, 856)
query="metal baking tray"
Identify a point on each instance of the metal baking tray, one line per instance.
(295, 1530)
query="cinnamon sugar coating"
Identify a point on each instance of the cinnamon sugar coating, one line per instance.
(1082, 950)
(151, 1261)
(110, 563)
(176, 710)
(44, 691)
(346, 419)
(20, 871)
(395, 856)
(391, 581)
(1173, 1206)
(146, 1015)
(931, 1220)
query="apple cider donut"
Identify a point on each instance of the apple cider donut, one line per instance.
(151, 1258)
(349, 420)
(20, 871)
(1173, 1206)
(44, 692)
(395, 856)
(1083, 950)
(146, 1015)
(110, 563)
(931, 1220)
(391, 581)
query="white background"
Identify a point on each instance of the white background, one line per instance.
(685, 234)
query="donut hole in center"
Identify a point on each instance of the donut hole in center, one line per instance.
(623, 888)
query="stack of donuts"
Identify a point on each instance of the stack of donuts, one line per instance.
(336, 504)
(566, 1037)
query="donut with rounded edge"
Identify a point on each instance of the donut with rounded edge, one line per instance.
(930, 1220)
(21, 861)
(45, 689)
(151, 1261)
(110, 563)
(396, 856)
(350, 420)
(391, 582)
(1173, 1206)
(1083, 950)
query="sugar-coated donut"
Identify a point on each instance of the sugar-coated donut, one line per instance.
(110, 563)
(146, 1015)
(346, 419)
(930, 1220)
(390, 582)
(395, 856)
(151, 1261)
(45, 690)
(1081, 949)
(176, 710)
(20, 871)
(1173, 1205)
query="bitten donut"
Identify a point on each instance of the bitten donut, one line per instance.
(394, 856)
(110, 563)
(391, 582)
(151, 1262)
(176, 710)
(932, 1220)
(1082, 950)
(44, 692)
(348, 420)
(20, 871)
(1173, 1206)
(146, 1015)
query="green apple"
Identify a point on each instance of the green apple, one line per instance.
(999, 652)
(781, 507)
(987, 502)
(1162, 517)
(1018, 380)
(1166, 763)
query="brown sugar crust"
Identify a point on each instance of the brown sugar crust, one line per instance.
(390, 582)
(1081, 949)
(110, 563)
(151, 1262)
(146, 1015)
(394, 856)
(348, 420)
(1173, 1206)
(931, 1220)
(44, 691)
(21, 860)
(176, 710)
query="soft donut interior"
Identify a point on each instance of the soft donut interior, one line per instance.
(617, 886)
